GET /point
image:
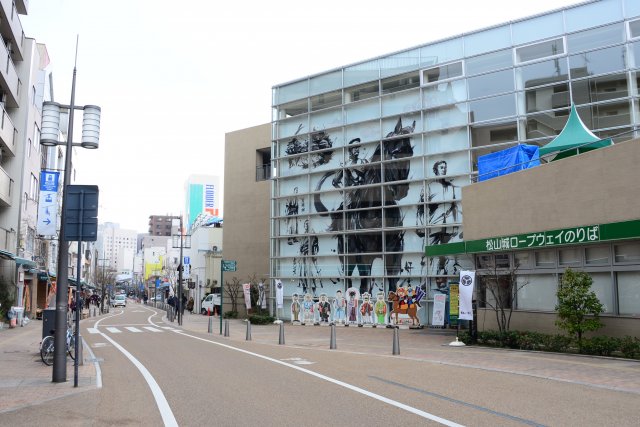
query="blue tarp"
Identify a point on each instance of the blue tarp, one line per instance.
(512, 159)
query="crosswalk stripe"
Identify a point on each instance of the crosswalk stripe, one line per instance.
(132, 329)
(93, 330)
(152, 329)
(114, 330)
(169, 328)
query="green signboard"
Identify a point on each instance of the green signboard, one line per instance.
(542, 239)
(229, 265)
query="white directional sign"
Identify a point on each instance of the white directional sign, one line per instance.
(48, 203)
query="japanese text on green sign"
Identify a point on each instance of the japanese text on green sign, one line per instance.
(545, 238)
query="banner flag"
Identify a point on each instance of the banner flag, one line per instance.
(439, 301)
(48, 203)
(246, 288)
(467, 281)
(279, 294)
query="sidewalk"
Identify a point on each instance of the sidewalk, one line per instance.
(432, 346)
(25, 380)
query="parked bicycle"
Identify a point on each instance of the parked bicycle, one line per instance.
(47, 346)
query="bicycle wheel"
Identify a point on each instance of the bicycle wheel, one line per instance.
(71, 347)
(46, 350)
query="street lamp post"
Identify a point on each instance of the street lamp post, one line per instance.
(184, 242)
(50, 131)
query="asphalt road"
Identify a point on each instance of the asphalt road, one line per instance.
(154, 374)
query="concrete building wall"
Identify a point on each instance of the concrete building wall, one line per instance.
(593, 188)
(246, 205)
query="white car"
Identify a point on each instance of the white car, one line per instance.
(119, 300)
(209, 302)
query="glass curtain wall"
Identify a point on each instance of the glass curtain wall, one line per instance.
(370, 159)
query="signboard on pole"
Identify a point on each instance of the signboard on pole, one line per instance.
(81, 213)
(48, 203)
(467, 281)
(439, 308)
(454, 303)
(229, 265)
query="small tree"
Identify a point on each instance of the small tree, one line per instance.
(232, 290)
(499, 288)
(578, 306)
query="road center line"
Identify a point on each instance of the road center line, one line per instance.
(367, 393)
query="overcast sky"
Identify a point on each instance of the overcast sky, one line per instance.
(173, 77)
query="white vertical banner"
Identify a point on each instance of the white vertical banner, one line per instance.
(48, 203)
(279, 294)
(439, 304)
(467, 282)
(262, 296)
(246, 288)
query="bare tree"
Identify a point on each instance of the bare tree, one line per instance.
(498, 287)
(233, 291)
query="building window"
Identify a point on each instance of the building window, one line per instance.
(629, 293)
(263, 164)
(634, 29)
(33, 188)
(443, 72)
(540, 50)
(627, 253)
(537, 292)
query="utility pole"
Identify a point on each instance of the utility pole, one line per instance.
(184, 242)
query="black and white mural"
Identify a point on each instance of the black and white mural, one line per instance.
(357, 208)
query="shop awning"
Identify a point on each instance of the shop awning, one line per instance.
(574, 139)
(26, 263)
(6, 255)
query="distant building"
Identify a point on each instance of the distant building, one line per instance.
(161, 225)
(246, 224)
(202, 196)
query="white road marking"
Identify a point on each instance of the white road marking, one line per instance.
(93, 330)
(132, 329)
(168, 327)
(151, 328)
(99, 344)
(368, 393)
(113, 330)
(161, 401)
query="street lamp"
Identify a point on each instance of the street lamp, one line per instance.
(181, 241)
(50, 131)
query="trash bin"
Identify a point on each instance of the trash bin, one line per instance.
(48, 321)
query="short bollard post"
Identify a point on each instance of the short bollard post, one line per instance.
(281, 340)
(248, 337)
(332, 342)
(396, 341)
(210, 330)
(226, 328)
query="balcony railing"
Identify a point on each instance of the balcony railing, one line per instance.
(263, 172)
(6, 186)
(7, 133)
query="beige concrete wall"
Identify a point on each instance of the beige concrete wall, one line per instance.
(246, 207)
(600, 186)
(545, 323)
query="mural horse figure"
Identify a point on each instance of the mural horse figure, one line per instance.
(400, 306)
(359, 248)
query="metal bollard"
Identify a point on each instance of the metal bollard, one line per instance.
(396, 341)
(248, 337)
(210, 330)
(226, 328)
(332, 342)
(281, 340)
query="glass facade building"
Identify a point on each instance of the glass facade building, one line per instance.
(369, 159)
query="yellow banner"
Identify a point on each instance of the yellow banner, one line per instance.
(454, 299)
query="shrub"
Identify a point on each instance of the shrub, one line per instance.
(600, 346)
(261, 319)
(490, 338)
(630, 347)
(465, 337)
(530, 340)
(231, 315)
(557, 343)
